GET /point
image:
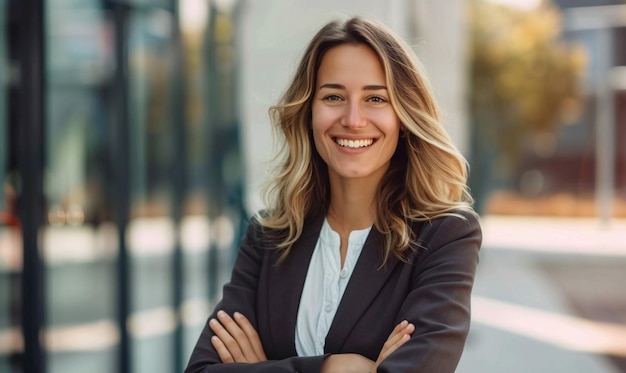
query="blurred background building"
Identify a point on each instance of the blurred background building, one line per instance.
(134, 140)
(548, 100)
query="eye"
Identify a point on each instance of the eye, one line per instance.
(376, 99)
(331, 98)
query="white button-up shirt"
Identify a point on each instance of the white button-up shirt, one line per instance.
(324, 286)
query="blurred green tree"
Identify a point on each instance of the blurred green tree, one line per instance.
(524, 81)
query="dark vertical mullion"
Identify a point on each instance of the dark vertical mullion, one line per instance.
(120, 13)
(179, 173)
(30, 163)
(211, 140)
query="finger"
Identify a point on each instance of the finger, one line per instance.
(252, 334)
(221, 349)
(401, 325)
(403, 332)
(397, 333)
(398, 329)
(240, 337)
(396, 339)
(390, 349)
(227, 339)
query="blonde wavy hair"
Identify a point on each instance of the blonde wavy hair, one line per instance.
(427, 176)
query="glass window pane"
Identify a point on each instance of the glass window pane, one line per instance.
(195, 227)
(150, 3)
(213, 213)
(79, 240)
(211, 225)
(151, 232)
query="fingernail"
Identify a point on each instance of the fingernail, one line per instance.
(221, 314)
(237, 315)
(213, 322)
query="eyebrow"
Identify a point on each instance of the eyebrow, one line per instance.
(365, 88)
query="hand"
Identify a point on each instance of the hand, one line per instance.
(235, 339)
(399, 336)
(346, 363)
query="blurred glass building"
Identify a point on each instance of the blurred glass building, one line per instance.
(565, 157)
(121, 180)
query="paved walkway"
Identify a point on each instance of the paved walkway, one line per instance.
(583, 236)
(548, 297)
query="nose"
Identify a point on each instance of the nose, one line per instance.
(353, 117)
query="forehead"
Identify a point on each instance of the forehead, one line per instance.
(351, 62)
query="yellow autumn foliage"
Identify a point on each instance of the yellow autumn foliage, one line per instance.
(525, 79)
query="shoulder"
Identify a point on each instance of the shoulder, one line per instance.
(311, 223)
(266, 237)
(457, 230)
(259, 235)
(456, 222)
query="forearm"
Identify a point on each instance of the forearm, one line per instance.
(439, 303)
(292, 364)
(347, 363)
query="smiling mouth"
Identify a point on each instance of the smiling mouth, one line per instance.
(353, 144)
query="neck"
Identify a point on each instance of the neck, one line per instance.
(352, 205)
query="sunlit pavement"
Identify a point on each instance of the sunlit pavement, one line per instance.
(549, 297)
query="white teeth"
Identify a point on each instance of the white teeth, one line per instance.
(354, 144)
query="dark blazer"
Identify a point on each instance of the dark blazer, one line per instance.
(431, 290)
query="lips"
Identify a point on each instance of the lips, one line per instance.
(353, 144)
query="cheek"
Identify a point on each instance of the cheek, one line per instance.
(321, 122)
(320, 117)
(393, 133)
(316, 128)
(389, 124)
(318, 135)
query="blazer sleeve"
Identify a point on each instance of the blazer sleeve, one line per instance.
(240, 294)
(438, 303)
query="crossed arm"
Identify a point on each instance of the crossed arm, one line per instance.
(236, 341)
(437, 305)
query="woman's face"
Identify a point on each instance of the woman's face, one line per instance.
(355, 128)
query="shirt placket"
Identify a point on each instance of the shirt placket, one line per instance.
(330, 294)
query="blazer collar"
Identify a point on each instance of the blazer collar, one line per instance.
(365, 283)
(287, 281)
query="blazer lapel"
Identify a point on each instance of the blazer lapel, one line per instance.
(366, 281)
(286, 281)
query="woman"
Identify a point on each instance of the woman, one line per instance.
(365, 259)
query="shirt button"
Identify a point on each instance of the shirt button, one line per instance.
(328, 308)
(343, 273)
